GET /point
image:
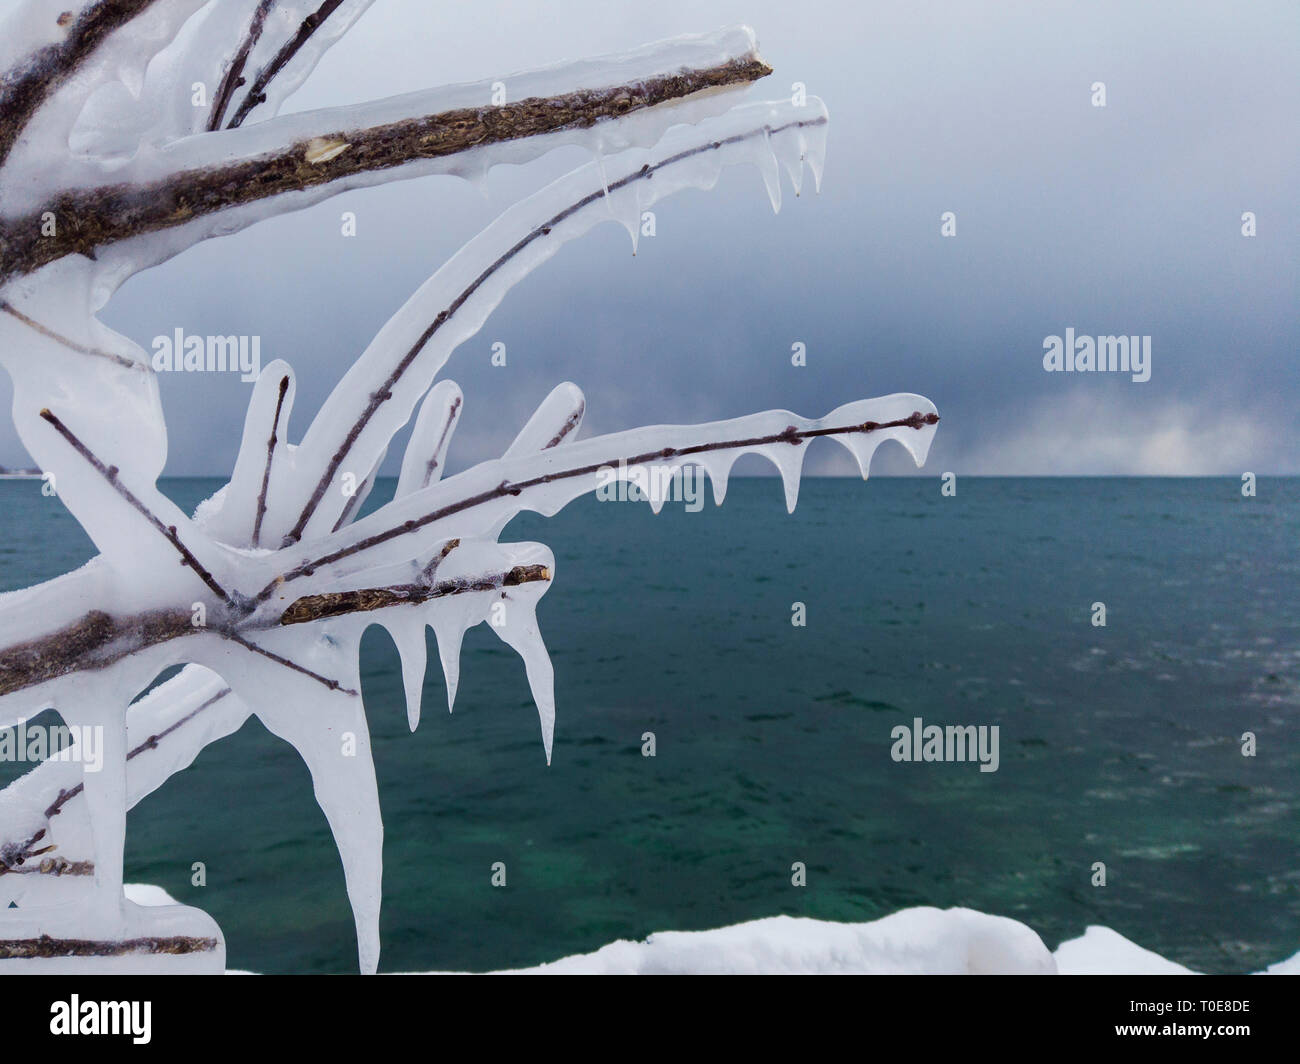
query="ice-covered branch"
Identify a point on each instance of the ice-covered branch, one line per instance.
(271, 442)
(502, 488)
(99, 639)
(15, 854)
(109, 165)
(168, 532)
(96, 641)
(256, 94)
(67, 342)
(24, 89)
(233, 78)
(335, 603)
(378, 393)
(47, 947)
(240, 168)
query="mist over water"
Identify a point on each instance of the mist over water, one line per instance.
(1118, 744)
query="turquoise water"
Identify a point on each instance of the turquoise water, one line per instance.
(1118, 744)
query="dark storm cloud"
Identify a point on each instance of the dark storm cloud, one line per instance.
(1115, 220)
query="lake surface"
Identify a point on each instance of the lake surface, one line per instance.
(1118, 744)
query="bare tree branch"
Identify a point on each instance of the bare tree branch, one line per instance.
(95, 641)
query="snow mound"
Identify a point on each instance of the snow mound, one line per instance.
(911, 942)
(1101, 951)
(920, 941)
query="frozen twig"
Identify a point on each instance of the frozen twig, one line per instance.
(256, 94)
(271, 442)
(791, 435)
(168, 532)
(234, 75)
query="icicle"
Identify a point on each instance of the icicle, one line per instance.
(888, 408)
(450, 633)
(718, 468)
(815, 152)
(348, 797)
(789, 146)
(622, 203)
(788, 460)
(625, 208)
(657, 486)
(633, 227)
(598, 157)
(474, 171)
(766, 164)
(520, 632)
(408, 636)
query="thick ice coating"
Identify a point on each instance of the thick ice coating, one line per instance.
(264, 593)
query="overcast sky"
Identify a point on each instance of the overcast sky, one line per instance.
(1117, 220)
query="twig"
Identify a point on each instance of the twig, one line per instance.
(257, 92)
(234, 73)
(439, 450)
(270, 454)
(351, 505)
(72, 345)
(151, 743)
(168, 532)
(333, 685)
(569, 425)
(427, 573)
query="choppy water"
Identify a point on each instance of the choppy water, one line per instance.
(1118, 744)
